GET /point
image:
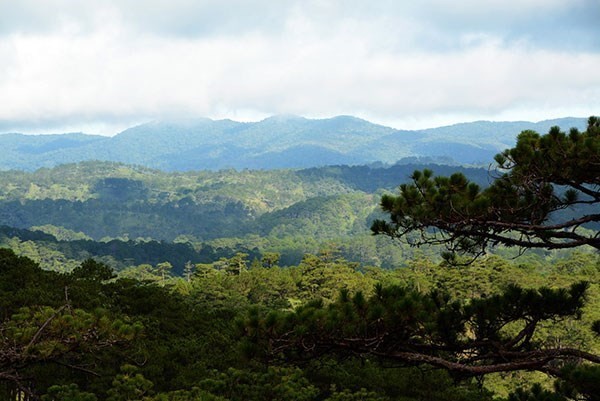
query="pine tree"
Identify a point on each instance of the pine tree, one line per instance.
(548, 191)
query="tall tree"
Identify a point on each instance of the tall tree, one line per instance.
(541, 176)
(409, 328)
(163, 269)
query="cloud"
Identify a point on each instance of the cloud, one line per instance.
(171, 18)
(549, 22)
(389, 61)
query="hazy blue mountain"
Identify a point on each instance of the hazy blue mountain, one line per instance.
(276, 142)
(29, 152)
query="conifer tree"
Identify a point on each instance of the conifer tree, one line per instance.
(540, 177)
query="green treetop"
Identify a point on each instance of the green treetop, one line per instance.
(541, 175)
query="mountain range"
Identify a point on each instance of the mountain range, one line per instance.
(276, 142)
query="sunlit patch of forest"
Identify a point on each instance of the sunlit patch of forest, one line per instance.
(125, 283)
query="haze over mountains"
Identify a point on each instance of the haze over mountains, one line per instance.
(276, 142)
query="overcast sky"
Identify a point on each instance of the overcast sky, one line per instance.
(102, 65)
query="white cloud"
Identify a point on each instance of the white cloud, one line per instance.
(316, 59)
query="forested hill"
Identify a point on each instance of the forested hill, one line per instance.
(104, 199)
(276, 142)
(132, 209)
(125, 215)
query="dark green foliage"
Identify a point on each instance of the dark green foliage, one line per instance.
(323, 328)
(272, 384)
(370, 178)
(408, 327)
(208, 215)
(596, 327)
(580, 382)
(23, 283)
(543, 174)
(297, 211)
(68, 393)
(183, 338)
(576, 383)
(129, 385)
(118, 253)
(535, 393)
(93, 271)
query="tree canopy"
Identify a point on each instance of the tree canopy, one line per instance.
(540, 176)
(407, 328)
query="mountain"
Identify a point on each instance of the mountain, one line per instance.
(29, 152)
(276, 142)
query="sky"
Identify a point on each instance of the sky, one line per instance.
(99, 66)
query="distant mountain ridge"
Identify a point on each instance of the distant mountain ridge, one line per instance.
(276, 142)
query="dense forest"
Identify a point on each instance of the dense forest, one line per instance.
(124, 214)
(121, 282)
(150, 335)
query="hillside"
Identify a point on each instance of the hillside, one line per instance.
(276, 142)
(125, 215)
(219, 213)
(114, 200)
(200, 258)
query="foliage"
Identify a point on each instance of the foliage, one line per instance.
(536, 393)
(408, 327)
(544, 174)
(275, 384)
(69, 392)
(131, 213)
(272, 287)
(189, 346)
(131, 209)
(360, 395)
(129, 385)
(39, 336)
